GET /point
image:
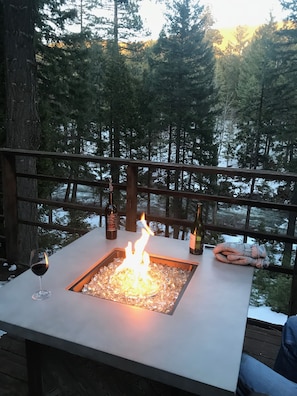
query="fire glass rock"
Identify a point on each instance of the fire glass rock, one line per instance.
(156, 292)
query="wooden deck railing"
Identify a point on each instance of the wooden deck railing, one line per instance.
(136, 188)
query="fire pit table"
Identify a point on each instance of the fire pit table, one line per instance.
(195, 347)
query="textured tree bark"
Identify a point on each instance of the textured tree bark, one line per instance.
(22, 120)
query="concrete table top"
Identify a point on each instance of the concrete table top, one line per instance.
(197, 348)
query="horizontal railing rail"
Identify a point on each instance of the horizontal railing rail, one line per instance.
(133, 186)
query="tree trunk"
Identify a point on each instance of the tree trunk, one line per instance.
(176, 200)
(168, 179)
(22, 120)
(286, 259)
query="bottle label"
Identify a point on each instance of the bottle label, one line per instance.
(111, 220)
(195, 242)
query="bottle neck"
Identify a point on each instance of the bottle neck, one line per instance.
(110, 198)
(199, 213)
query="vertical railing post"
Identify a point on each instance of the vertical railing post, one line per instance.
(10, 210)
(293, 294)
(131, 204)
(249, 208)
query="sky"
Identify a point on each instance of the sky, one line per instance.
(226, 13)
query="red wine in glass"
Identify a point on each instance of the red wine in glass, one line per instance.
(39, 264)
(39, 268)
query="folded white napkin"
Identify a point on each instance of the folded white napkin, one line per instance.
(242, 254)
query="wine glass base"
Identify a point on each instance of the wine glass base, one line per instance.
(41, 295)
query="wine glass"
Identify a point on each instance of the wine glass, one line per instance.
(39, 265)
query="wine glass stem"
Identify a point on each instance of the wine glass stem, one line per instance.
(40, 283)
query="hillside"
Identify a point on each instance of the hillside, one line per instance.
(229, 34)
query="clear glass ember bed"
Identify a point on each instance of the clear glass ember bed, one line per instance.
(160, 292)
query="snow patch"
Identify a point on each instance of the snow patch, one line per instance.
(266, 315)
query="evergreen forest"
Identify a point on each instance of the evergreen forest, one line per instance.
(96, 85)
(181, 98)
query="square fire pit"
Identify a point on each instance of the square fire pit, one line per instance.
(160, 291)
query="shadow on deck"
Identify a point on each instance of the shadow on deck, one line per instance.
(67, 374)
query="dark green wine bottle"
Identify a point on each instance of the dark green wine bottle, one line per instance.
(111, 216)
(197, 233)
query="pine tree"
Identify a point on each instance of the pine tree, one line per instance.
(184, 83)
(284, 107)
(183, 75)
(228, 64)
(254, 138)
(291, 6)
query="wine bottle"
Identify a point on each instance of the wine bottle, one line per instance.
(197, 233)
(111, 216)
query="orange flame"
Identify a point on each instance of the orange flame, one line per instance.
(138, 260)
(136, 264)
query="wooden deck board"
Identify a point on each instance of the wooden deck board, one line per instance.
(13, 369)
(262, 341)
(71, 375)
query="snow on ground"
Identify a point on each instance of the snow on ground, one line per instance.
(265, 314)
